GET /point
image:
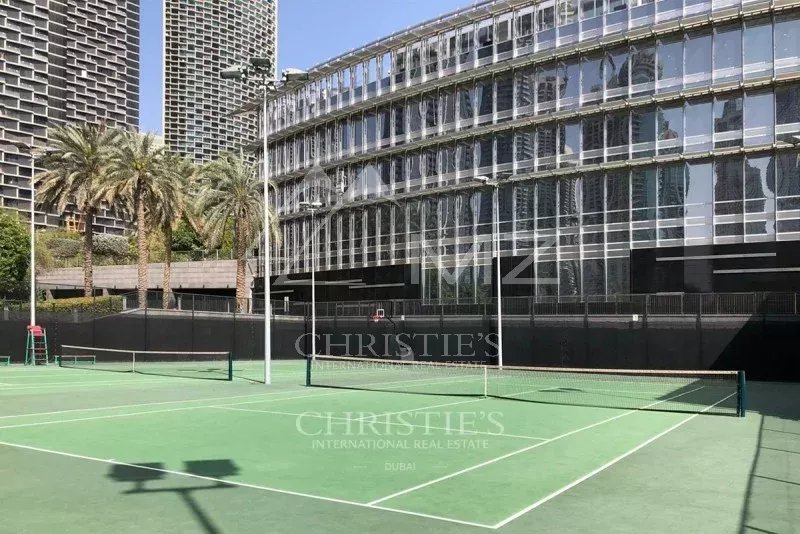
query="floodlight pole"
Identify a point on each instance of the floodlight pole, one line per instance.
(33, 239)
(267, 266)
(495, 184)
(261, 68)
(312, 207)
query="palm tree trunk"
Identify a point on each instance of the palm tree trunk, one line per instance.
(241, 271)
(167, 266)
(142, 242)
(88, 248)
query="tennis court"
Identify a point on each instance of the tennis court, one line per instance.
(393, 448)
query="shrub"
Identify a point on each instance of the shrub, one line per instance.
(110, 304)
(63, 248)
(110, 245)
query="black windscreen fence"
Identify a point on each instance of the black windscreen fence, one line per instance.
(760, 339)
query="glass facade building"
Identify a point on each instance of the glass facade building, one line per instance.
(615, 130)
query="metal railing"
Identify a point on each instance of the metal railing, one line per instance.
(684, 304)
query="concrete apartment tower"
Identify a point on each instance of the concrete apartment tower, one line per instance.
(201, 39)
(62, 61)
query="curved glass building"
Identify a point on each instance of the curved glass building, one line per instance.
(629, 146)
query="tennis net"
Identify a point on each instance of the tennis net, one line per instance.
(721, 392)
(186, 364)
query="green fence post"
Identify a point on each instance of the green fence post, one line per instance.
(230, 366)
(308, 370)
(742, 394)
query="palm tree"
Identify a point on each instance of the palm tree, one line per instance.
(169, 212)
(231, 190)
(76, 166)
(140, 181)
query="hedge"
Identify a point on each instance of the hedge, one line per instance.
(111, 245)
(64, 248)
(110, 304)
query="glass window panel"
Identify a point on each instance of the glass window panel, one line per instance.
(728, 48)
(697, 53)
(757, 48)
(592, 133)
(546, 85)
(484, 90)
(448, 101)
(431, 112)
(484, 154)
(547, 279)
(670, 123)
(526, 81)
(568, 84)
(505, 94)
(546, 198)
(670, 191)
(466, 155)
(643, 194)
(466, 107)
(414, 116)
(525, 147)
(699, 201)
(616, 69)
(569, 278)
(670, 61)
(617, 129)
(592, 195)
(728, 186)
(618, 196)
(728, 114)
(788, 175)
(399, 119)
(787, 104)
(759, 118)
(759, 176)
(569, 195)
(643, 60)
(505, 147)
(698, 120)
(592, 77)
(569, 142)
(618, 276)
(787, 38)
(643, 125)
(525, 205)
(546, 141)
(594, 277)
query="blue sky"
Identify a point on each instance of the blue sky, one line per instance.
(309, 32)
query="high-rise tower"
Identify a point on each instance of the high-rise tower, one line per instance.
(201, 39)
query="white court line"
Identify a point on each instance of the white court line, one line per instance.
(132, 414)
(409, 425)
(603, 467)
(243, 484)
(206, 399)
(114, 416)
(72, 410)
(134, 382)
(524, 449)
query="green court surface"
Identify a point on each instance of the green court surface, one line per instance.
(84, 450)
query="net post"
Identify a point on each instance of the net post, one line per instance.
(741, 394)
(308, 370)
(485, 381)
(133, 362)
(230, 366)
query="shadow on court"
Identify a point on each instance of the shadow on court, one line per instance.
(773, 485)
(144, 478)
